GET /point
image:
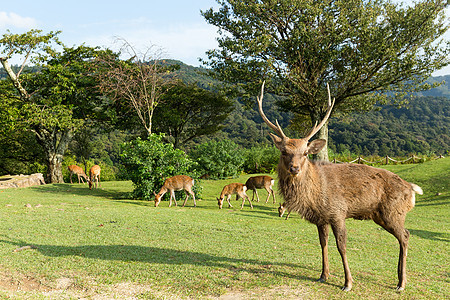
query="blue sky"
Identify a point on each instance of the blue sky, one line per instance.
(176, 26)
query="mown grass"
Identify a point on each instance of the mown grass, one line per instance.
(100, 239)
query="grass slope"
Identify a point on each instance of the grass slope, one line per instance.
(89, 243)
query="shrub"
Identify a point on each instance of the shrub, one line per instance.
(261, 159)
(218, 159)
(147, 163)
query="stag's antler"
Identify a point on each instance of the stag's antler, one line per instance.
(276, 128)
(316, 127)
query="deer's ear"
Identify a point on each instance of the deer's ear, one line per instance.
(315, 146)
(277, 140)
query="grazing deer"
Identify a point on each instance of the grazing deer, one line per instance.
(94, 177)
(176, 183)
(261, 182)
(326, 194)
(231, 189)
(282, 210)
(73, 169)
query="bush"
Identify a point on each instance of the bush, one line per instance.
(148, 163)
(218, 159)
(261, 159)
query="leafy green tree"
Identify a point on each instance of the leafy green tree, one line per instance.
(188, 111)
(218, 159)
(54, 101)
(362, 48)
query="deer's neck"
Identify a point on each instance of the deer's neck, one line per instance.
(302, 192)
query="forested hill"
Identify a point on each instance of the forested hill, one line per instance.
(423, 126)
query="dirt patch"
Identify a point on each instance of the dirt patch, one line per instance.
(10, 282)
(279, 292)
(13, 285)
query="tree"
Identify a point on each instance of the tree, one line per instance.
(138, 82)
(54, 100)
(366, 50)
(188, 112)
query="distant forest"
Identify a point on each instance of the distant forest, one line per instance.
(422, 126)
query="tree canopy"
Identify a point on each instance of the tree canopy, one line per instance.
(54, 101)
(188, 111)
(366, 50)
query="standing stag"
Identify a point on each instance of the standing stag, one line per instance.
(94, 177)
(326, 194)
(261, 182)
(176, 183)
(233, 189)
(73, 169)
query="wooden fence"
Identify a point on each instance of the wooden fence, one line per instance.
(385, 160)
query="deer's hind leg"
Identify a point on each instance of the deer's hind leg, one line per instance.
(396, 227)
(340, 233)
(189, 192)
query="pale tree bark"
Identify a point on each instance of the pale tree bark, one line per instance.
(23, 93)
(55, 144)
(323, 134)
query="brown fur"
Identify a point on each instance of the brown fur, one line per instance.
(326, 194)
(237, 189)
(73, 169)
(261, 182)
(94, 177)
(176, 183)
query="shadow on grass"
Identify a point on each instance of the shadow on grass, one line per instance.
(430, 235)
(155, 255)
(81, 190)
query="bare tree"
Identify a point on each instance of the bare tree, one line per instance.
(139, 79)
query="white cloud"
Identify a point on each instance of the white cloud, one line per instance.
(8, 20)
(185, 42)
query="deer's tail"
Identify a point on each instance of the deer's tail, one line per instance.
(417, 189)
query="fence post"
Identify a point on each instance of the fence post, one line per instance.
(387, 159)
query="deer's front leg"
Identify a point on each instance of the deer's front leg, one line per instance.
(228, 200)
(340, 233)
(323, 237)
(172, 195)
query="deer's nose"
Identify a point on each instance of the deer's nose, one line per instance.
(294, 170)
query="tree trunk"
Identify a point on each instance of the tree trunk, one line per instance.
(322, 134)
(54, 164)
(55, 143)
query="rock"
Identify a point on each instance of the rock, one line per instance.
(18, 181)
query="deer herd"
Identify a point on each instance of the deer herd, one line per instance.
(323, 193)
(94, 175)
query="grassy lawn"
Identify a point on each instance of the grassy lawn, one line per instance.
(101, 245)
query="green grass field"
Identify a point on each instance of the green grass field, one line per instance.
(100, 245)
